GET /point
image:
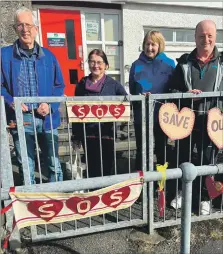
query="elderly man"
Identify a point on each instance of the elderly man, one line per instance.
(197, 72)
(29, 70)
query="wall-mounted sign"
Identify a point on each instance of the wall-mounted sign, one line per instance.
(98, 112)
(215, 126)
(176, 125)
(56, 39)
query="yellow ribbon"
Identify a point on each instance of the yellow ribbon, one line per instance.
(162, 169)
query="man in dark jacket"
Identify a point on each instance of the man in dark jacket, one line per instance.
(28, 70)
(197, 72)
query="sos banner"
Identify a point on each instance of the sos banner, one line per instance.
(44, 208)
(95, 111)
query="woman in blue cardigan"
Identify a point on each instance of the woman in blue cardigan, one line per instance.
(97, 84)
(149, 74)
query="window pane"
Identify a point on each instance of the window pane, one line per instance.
(185, 35)
(115, 76)
(113, 54)
(93, 26)
(166, 32)
(91, 47)
(71, 45)
(219, 36)
(111, 27)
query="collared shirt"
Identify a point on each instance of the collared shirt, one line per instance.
(27, 81)
(201, 62)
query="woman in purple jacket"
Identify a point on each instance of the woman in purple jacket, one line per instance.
(97, 84)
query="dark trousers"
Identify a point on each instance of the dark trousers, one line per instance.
(160, 140)
(206, 154)
(93, 156)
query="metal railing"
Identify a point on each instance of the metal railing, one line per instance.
(172, 217)
(142, 213)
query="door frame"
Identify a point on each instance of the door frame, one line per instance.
(83, 10)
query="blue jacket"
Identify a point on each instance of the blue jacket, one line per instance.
(109, 88)
(49, 79)
(150, 75)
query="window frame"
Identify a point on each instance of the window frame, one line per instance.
(178, 43)
(103, 42)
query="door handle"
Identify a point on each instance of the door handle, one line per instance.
(82, 65)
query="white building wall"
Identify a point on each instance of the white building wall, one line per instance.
(138, 16)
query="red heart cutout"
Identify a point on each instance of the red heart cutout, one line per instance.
(81, 111)
(214, 188)
(82, 205)
(115, 197)
(117, 110)
(99, 111)
(45, 210)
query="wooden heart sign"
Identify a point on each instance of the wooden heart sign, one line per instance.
(117, 110)
(214, 188)
(215, 127)
(45, 210)
(81, 111)
(176, 125)
(99, 111)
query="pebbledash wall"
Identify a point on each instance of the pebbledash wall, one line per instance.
(7, 11)
(139, 16)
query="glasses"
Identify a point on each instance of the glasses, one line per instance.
(21, 26)
(93, 63)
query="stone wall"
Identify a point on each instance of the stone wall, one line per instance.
(8, 9)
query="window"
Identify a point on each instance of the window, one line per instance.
(103, 32)
(93, 26)
(179, 35)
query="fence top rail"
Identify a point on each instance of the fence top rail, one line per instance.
(100, 182)
(52, 99)
(185, 95)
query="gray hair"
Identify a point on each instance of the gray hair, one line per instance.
(24, 9)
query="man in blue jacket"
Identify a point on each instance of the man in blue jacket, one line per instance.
(29, 70)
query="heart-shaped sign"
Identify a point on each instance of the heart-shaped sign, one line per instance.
(99, 111)
(117, 110)
(215, 127)
(214, 188)
(115, 197)
(45, 210)
(81, 111)
(82, 205)
(176, 125)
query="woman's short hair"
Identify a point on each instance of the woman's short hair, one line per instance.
(156, 37)
(99, 52)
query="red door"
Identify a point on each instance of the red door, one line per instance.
(61, 34)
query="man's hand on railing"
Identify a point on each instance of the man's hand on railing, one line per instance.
(195, 91)
(43, 109)
(147, 93)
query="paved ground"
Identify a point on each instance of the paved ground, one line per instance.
(206, 238)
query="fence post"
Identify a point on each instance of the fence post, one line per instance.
(150, 145)
(189, 173)
(7, 177)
